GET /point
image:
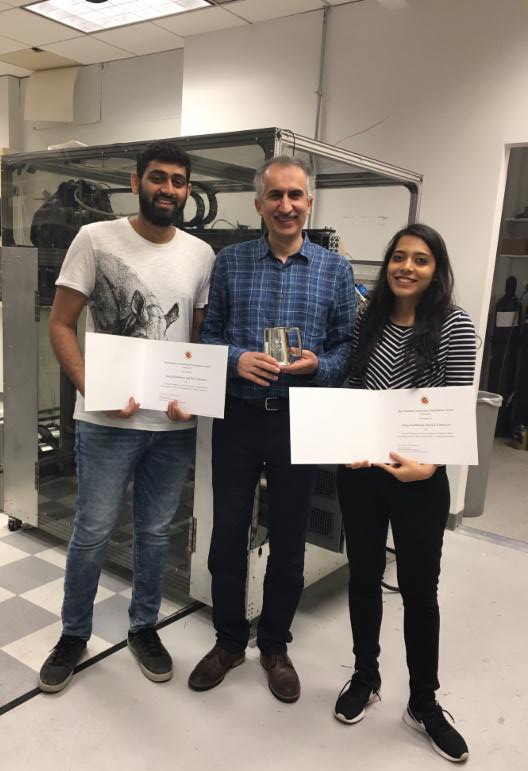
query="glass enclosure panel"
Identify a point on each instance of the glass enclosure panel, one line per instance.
(365, 220)
(364, 207)
(48, 196)
(223, 178)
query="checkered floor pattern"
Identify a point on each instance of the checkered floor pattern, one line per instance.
(31, 588)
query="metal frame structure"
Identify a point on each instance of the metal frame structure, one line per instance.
(29, 472)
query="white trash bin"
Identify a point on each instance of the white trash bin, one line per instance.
(477, 481)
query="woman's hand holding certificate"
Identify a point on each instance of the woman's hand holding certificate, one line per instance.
(406, 470)
(424, 426)
(403, 469)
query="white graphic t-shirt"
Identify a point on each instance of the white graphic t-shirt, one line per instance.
(137, 289)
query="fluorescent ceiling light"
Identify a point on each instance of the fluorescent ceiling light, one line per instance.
(93, 17)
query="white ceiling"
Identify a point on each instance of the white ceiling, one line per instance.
(21, 29)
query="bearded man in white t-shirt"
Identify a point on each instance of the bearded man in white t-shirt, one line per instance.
(138, 277)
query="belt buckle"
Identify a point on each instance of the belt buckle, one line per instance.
(266, 404)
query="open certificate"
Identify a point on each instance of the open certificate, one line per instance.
(345, 425)
(154, 372)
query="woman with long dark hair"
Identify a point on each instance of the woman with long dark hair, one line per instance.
(410, 335)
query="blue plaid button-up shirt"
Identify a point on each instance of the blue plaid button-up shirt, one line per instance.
(251, 290)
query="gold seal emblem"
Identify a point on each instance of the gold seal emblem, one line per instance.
(424, 400)
(188, 355)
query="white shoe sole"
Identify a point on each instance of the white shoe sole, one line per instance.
(374, 697)
(47, 688)
(412, 723)
(54, 688)
(153, 676)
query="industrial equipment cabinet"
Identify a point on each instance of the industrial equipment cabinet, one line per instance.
(47, 197)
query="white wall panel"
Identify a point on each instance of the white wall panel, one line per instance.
(128, 100)
(10, 113)
(256, 76)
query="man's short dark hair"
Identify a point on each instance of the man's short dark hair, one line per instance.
(166, 151)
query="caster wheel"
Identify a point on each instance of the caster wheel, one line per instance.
(14, 524)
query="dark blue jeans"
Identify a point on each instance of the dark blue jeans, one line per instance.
(107, 460)
(245, 442)
(370, 498)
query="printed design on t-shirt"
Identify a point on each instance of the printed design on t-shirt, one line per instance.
(121, 304)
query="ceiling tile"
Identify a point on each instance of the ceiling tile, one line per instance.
(29, 59)
(198, 22)
(141, 39)
(11, 69)
(88, 50)
(32, 29)
(394, 5)
(7, 45)
(256, 10)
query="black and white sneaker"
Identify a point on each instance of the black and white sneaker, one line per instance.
(153, 658)
(57, 670)
(353, 700)
(443, 736)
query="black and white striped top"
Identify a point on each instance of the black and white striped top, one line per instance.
(388, 367)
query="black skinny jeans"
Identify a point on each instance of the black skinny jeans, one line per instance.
(370, 498)
(244, 442)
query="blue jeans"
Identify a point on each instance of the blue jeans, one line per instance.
(107, 460)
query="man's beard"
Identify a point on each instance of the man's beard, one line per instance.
(162, 218)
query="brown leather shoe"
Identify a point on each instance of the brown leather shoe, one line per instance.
(283, 680)
(212, 669)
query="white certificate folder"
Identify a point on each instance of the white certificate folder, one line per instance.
(154, 372)
(345, 425)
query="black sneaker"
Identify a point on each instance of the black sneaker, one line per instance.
(445, 739)
(57, 670)
(352, 701)
(153, 658)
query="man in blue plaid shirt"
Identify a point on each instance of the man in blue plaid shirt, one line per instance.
(279, 280)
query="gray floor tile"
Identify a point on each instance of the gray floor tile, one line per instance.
(18, 618)
(113, 582)
(111, 618)
(28, 573)
(29, 541)
(15, 678)
(484, 673)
